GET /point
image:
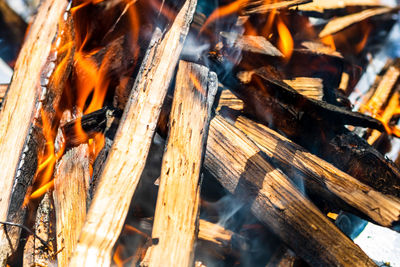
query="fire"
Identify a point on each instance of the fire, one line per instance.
(197, 84)
(47, 161)
(329, 41)
(360, 46)
(285, 43)
(223, 12)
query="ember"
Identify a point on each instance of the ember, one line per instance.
(197, 132)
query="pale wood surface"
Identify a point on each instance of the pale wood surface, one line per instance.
(128, 154)
(19, 109)
(240, 167)
(340, 23)
(71, 180)
(177, 208)
(262, 6)
(214, 233)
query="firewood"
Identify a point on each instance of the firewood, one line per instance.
(320, 175)
(241, 168)
(383, 97)
(126, 160)
(71, 183)
(324, 5)
(308, 87)
(260, 6)
(35, 252)
(313, 125)
(12, 32)
(33, 92)
(251, 43)
(176, 215)
(214, 233)
(337, 24)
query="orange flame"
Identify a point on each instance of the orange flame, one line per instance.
(285, 43)
(197, 84)
(329, 41)
(360, 46)
(223, 12)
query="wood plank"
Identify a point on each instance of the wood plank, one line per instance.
(32, 89)
(128, 155)
(340, 23)
(71, 181)
(240, 167)
(177, 209)
(262, 6)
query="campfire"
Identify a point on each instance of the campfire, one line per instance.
(198, 132)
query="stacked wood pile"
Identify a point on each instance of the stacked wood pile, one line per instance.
(180, 133)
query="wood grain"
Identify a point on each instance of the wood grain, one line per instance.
(128, 154)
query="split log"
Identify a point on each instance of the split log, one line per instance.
(322, 6)
(321, 177)
(261, 7)
(214, 233)
(35, 252)
(34, 91)
(337, 24)
(240, 167)
(12, 33)
(383, 98)
(251, 43)
(127, 158)
(71, 182)
(177, 208)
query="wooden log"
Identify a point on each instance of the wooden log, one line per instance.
(284, 257)
(35, 252)
(323, 5)
(214, 233)
(33, 89)
(126, 160)
(337, 24)
(261, 7)
(321, 177)
(240, 167)
(71, 181)
(177, 208)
